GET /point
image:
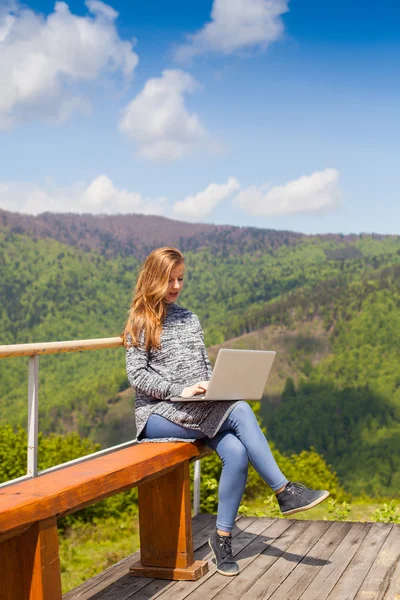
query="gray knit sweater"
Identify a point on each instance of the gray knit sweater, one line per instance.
(159, 375)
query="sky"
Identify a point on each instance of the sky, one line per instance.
(268, 113)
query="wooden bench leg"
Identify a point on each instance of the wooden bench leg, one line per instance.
(30, 565)
(165, 520)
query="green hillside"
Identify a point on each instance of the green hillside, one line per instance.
(349, 406)
(230, 295)
(331, 308)
(54, 292)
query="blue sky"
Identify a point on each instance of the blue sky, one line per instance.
(294, 125)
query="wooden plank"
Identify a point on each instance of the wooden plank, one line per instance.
(179, 590)
(65, 491)
(393, 591)
(377, 581)
(308, 568)
(30, 565)
(113, 574)
(349, 584)
(200, 522)
(328, 576)
(271, 579)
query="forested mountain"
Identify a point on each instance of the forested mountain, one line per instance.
(329, 304)
(136, 235)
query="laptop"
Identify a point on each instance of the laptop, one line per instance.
(237, 375)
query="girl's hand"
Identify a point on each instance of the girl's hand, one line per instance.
(193, 390)
(203, 384)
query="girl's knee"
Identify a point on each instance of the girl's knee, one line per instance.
(235, 455)
(242, 410)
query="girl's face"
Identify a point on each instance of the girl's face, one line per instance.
(175, 283)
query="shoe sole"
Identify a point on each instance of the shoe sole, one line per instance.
(308, 506)
(222, 572)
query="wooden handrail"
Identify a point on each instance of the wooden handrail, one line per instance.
(58, 347)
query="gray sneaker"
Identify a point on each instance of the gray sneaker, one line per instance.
(221, 545)
(296, 497)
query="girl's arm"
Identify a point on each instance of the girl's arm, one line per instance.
(142, 377)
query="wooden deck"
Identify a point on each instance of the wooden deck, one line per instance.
(280, 559)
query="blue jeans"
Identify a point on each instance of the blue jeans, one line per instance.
(238, 441)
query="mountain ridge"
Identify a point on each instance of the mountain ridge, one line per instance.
(136, 234)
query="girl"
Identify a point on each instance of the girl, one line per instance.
(166, 357)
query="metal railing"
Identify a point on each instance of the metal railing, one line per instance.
(33, 351)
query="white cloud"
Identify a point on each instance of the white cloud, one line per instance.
(158, 120)
(202, 204)
(99, 197)
(46, 60)
(315, 193)
(236, 25)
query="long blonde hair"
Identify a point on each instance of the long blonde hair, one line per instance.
(148, 308)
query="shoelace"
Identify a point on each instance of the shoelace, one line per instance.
(297, 488)
(225, 542)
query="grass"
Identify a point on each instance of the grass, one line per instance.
(359, 509)
(87, 549)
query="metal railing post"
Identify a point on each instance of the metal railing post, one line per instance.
(196, 488)
(33, 415)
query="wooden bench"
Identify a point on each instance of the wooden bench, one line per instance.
(29, 559)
